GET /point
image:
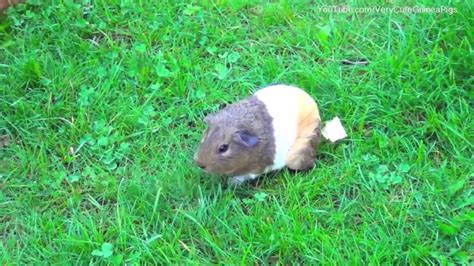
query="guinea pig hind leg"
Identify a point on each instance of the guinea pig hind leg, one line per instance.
(303, 153)
(302, 158)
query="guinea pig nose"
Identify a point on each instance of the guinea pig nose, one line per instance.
(201, 165)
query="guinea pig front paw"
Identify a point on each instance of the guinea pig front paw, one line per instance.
(236, 181)
(239, 180)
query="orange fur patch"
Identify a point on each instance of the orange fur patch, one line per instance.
(308, 121)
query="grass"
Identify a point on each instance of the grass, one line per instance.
(101, 107)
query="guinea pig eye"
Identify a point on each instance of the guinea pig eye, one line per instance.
(223, 148)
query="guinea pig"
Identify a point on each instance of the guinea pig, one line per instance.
(278, 126)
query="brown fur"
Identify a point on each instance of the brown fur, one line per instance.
(303, 152)
(4, 4)
(248, 115)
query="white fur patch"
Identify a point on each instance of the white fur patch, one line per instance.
(282, 105)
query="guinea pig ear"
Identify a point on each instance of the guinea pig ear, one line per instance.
(245, 138)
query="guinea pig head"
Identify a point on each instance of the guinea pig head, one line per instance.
(228, 147)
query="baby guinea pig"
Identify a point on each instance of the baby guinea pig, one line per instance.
(277, 126)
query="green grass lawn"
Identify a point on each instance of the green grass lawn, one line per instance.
(101, 108)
